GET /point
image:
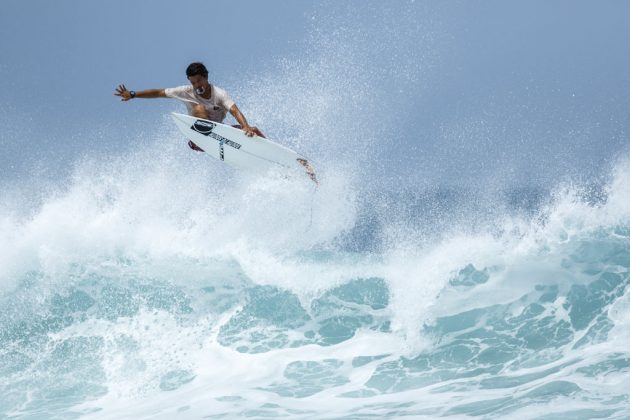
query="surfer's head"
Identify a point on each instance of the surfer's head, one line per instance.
(198, 76)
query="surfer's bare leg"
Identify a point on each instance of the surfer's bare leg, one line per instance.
(200, 112)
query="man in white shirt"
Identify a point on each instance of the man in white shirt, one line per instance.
(202, 99)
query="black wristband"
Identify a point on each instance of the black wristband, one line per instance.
(132, 93)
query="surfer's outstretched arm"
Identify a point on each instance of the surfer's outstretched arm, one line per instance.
(126, 95)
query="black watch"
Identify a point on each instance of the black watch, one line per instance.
(132, 93)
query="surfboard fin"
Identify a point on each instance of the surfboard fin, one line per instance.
(194, 146)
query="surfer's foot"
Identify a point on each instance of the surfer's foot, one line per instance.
(194, 146)
(309, 170)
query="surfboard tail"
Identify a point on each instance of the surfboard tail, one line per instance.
(309, 169)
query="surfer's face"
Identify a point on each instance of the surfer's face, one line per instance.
(199, 84)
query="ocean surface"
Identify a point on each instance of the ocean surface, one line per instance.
(133, 292)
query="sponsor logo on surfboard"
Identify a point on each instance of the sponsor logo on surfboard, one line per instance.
(232, 143)
(203, 127)
(206, 127)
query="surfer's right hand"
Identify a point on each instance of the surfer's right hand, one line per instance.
(124, 94)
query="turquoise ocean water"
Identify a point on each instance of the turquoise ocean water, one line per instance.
(264, 298)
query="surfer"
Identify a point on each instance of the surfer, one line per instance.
(202, 99)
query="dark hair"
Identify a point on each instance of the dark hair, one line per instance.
(195, 69)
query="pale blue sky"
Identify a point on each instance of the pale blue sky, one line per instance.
(535, 90)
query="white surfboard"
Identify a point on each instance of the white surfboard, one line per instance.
(232, 146)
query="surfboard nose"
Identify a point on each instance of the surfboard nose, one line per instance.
(179, 118)
(181, 121)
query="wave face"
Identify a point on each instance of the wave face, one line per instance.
(167, 286)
